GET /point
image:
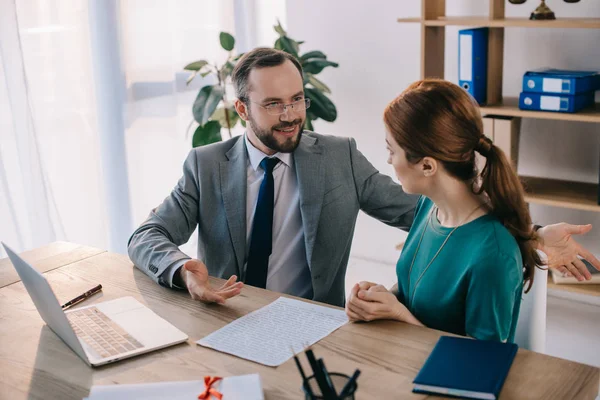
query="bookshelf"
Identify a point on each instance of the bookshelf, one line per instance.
(579, 23)
(509, 106)
(565, 194)
(549, 192)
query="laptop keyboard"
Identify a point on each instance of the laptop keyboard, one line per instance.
(101, 333)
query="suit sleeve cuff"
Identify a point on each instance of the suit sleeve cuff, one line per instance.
(167, 277)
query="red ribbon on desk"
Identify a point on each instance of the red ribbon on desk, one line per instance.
(210, 391)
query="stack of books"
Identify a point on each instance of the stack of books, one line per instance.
(558, 90)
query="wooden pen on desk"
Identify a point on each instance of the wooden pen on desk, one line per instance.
(81, 297)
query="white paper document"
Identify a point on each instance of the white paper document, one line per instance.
(267, 335)
(244, 387)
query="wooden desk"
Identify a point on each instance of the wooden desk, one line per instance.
(36, 364)
(47, 258)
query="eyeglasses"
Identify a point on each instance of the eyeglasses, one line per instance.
(280, 108)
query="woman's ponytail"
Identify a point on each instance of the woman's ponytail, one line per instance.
(500, 183)
(436, 118)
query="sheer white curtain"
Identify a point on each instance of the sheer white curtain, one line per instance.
(51, 177)
(48, 162)
(158, 40)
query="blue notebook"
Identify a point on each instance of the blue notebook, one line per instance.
(468, 368)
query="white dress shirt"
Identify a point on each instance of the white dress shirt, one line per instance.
(288, 268)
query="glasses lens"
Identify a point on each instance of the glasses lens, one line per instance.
(276, 109)
(300, 105)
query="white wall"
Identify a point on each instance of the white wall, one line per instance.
(379, 57)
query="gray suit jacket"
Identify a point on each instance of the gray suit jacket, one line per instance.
(335, 182)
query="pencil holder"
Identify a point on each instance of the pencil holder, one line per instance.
(338, 380)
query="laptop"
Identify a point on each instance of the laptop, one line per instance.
(101, 333)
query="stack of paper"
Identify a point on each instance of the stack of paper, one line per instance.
(267, 335)
(245, 387)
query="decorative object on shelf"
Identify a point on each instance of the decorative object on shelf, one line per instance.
(213, 111)
(542, 12)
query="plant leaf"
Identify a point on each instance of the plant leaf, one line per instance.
(191, 77)
(308, 123)
(227, 41)
(196, 65)
(206, 134)
(203, 74)
(226, 70)
(288, 45)
(279, 29)
(278, 44)
(316, 65)
(305, 78)
(219, 115)
(313, 54)
(320, 105)
(318, 84)
(206, 102)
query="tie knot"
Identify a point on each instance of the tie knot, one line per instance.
(268, 164)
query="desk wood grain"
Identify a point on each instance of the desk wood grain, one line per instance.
(47, 258)
(36, 364)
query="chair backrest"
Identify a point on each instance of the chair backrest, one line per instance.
(531, 325)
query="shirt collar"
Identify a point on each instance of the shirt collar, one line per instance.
(256, 156)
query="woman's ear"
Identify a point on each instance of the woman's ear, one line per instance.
(241, 109)
(429, 166)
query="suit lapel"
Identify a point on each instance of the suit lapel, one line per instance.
(233, 187)
(307, 159)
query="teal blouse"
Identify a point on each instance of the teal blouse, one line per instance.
(473, 287)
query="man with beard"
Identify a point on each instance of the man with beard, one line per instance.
(277, 206)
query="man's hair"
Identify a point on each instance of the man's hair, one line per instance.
(260, 57)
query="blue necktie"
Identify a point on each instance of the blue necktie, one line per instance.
(261, 240)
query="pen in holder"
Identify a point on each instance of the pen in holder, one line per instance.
(312, 390)
(325, 385)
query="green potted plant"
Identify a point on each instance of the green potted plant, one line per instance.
(213, 111)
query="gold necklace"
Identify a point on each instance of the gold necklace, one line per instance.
(412, 298)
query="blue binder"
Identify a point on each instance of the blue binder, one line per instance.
(549, 80)
(552, 102)
(472, 62)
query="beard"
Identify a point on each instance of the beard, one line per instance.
(269, 139)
